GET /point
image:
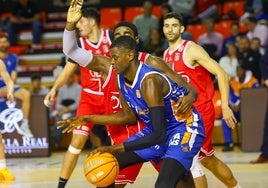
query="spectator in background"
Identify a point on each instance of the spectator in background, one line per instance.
(244, 79)
(11, 63)
(229, 62)
(235, 32)
(146, 21)
(255, 44)
(25, 15)
(257, 30)
(165, 9)
(256, 8)
(184, 8)
(263, 157)
(37, 87)
(211, 41)
(248, 58)
(155, 45)
(67, 102)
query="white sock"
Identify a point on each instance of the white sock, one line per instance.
(25, 121)
(2, 163)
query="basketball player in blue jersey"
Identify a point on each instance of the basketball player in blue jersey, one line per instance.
(149, 95)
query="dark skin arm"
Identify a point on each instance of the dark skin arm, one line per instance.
(153, 85)
(184, 104)
(122, 117)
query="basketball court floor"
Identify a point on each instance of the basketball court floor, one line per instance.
(44, 172)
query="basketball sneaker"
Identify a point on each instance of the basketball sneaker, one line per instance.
(6, 175)
(24, 129)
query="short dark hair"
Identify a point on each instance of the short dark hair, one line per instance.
(127, 24)
(166, 6)
(174, 15)
(91, 13)
(125, 42)
(252, 19)
(36, 77)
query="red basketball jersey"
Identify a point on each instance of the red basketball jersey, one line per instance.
(121, 133)
(197, 76)
(90, 80)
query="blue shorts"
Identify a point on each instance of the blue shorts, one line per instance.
(153, 153)
(183, 146)
(180, 145)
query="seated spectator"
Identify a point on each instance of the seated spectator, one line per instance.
(155, 44)
(211, 41)
(235, 32)
(37, 87)
(146, 21)
(257, 30)
(11, 63)
(184, 8)
(67, 101)
(25, 15)
(256, 8)
(248, 58)
(244, 79)
(255, 45)
(229, 62)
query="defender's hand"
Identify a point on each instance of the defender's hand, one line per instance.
(74, 12)
(70, 124)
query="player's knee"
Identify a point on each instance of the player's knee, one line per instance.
(196, 168)
(78, 141)
(208, 161)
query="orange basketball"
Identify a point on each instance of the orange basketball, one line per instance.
(101, 169)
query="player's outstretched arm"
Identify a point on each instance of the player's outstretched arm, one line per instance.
(123, 117)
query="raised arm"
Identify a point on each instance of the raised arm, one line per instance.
(72, 50)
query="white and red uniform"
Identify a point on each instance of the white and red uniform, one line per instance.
(201, 80)
(92, 96)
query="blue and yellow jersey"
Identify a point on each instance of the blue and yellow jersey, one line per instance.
(133, 95)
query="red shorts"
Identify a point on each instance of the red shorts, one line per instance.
(207, 112)
(87, 106)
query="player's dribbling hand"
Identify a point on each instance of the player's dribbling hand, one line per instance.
(70, 124)
(110, 149)
(74, 12)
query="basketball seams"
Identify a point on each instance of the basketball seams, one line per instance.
(101, 169)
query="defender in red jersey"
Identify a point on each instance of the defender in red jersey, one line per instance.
(97, 41)
(194, 64)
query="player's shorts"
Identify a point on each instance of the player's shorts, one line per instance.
(183, 146)
(153, 153)
(208, 114)
(119, 134)
(86, 107)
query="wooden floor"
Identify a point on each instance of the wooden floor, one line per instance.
(44, 172)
